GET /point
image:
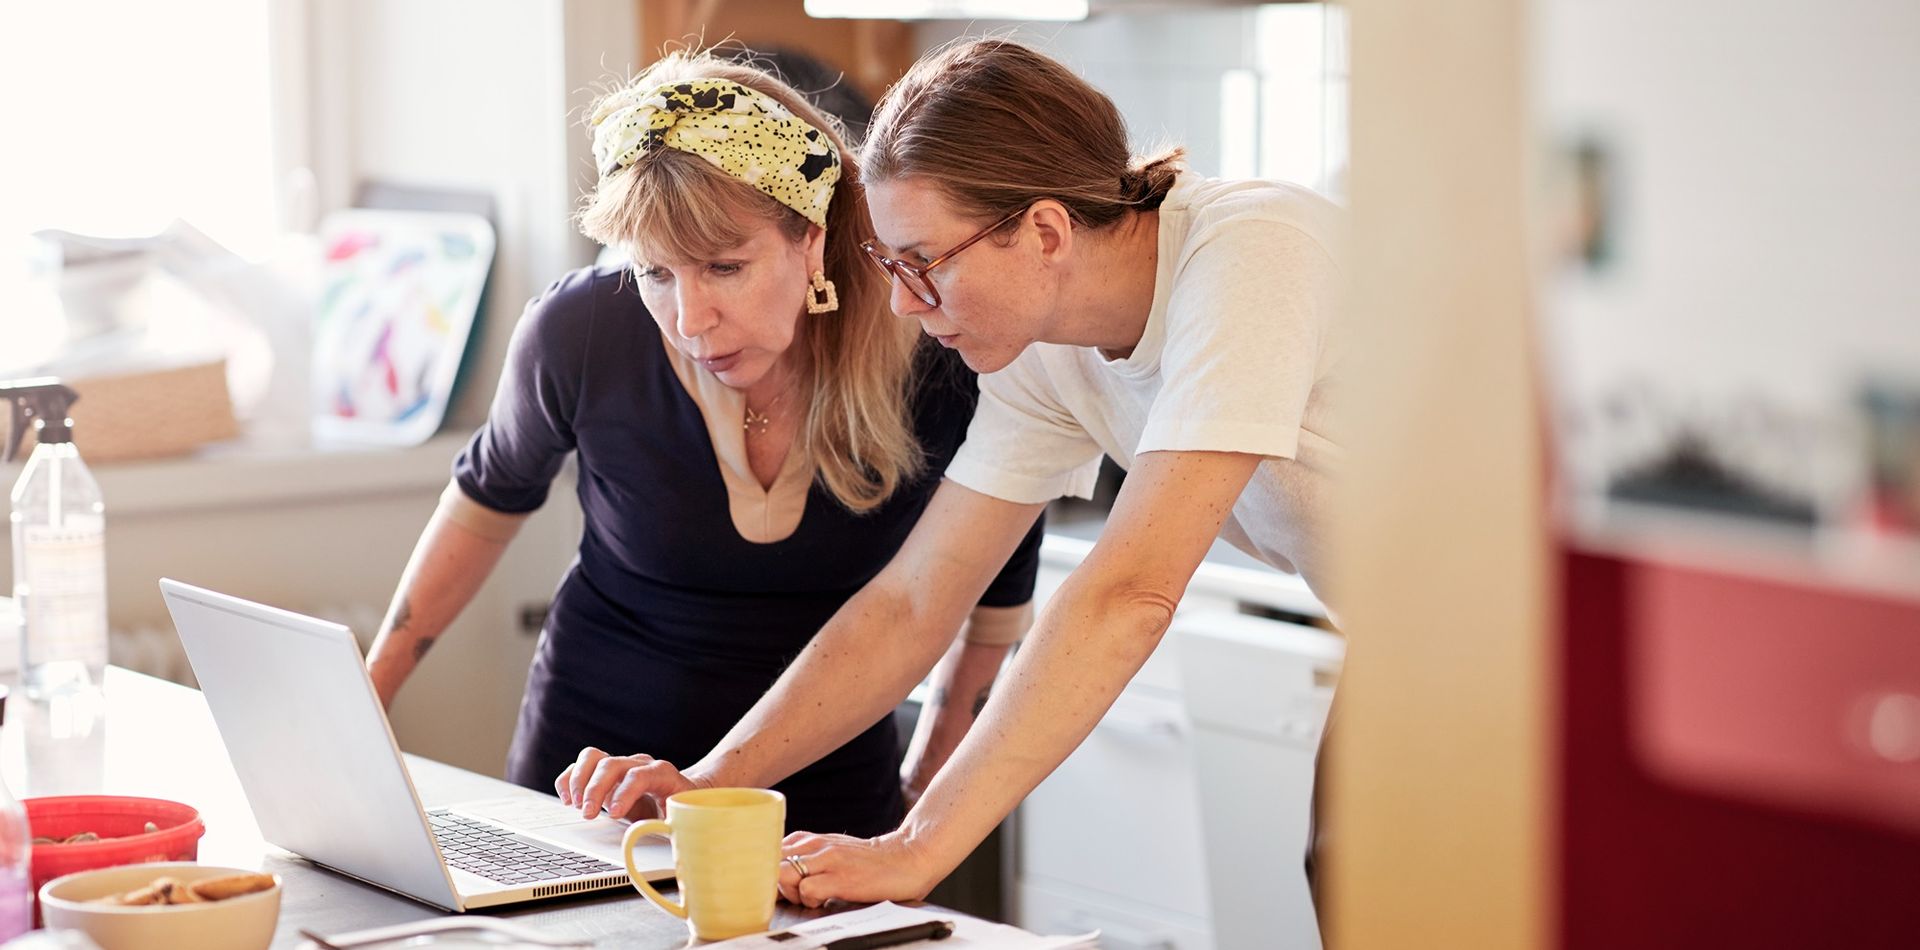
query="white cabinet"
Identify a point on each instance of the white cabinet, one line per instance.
(1119, 836)
(1122, 815)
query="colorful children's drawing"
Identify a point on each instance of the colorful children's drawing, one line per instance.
(399, 293)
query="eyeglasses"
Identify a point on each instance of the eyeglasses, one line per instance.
(914, 276)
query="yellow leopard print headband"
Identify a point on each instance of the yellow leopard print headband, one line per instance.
(741, 131)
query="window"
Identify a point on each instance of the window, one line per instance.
(124, 115)
(1286, 117)
(1256, 91)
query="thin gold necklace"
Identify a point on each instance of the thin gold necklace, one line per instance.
(757, 423)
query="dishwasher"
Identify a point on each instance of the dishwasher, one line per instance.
(1256, 693)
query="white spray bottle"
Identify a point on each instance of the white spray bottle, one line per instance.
(59, 547)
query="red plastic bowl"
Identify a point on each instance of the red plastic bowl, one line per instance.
(120, 822)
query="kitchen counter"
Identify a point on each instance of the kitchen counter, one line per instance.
(157, 739)
(1228, 579)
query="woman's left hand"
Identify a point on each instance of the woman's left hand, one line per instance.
(861, 870)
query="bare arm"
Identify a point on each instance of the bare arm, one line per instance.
(961, 684)
(456, 552)
(1091, 638)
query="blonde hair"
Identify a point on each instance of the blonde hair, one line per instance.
(858, 428)
(996, 126)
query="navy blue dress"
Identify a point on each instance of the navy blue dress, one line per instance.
(668, 626)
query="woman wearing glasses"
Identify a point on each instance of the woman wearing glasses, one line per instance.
(755, 436)
(1186, 327)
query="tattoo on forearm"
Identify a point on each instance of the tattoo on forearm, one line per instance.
(403, 615)
(980, 701)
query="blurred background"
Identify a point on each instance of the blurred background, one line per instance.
(1633, 531)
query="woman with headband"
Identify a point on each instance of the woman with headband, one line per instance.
(1185, 327)
(755, 435)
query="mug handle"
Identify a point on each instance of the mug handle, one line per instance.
(638, 830)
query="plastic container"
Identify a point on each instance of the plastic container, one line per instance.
(120, 822)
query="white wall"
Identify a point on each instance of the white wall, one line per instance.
(1766, 213)
(1770, 210)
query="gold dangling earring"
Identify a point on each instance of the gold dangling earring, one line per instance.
(821, 295)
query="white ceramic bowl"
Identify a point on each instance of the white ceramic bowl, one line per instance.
(246, 922)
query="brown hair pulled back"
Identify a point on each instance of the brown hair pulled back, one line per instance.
(997, 126)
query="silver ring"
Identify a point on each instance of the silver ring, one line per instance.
(799, 866)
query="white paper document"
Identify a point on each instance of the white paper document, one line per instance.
(969, 933)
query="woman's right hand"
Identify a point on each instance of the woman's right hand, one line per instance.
(626, 786)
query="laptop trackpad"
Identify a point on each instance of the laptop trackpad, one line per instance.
(546, 818)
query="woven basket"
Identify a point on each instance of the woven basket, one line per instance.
(150, 414)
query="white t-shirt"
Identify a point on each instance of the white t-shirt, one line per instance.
(1241, 353)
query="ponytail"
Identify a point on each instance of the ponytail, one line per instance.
(1146, 186)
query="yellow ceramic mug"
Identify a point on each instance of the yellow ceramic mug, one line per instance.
(726, 858)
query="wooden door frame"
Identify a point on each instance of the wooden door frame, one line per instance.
(1439, 781)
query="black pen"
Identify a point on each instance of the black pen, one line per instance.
(931, 930)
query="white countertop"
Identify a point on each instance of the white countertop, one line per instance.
(1227, 573)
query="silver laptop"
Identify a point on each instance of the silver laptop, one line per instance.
(320, 766)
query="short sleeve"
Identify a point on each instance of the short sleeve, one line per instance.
(511, 461)
(1014, 585)
(1246, 322)
(1023, 445)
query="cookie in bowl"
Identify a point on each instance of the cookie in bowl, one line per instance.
(166, 907)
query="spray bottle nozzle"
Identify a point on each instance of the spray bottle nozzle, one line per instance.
(44, 403)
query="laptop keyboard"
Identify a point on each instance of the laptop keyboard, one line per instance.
(503, 857)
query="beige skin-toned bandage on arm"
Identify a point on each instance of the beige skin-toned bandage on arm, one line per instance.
(492, 525)
(999, 626)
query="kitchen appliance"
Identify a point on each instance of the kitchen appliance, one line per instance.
(1257, 693)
